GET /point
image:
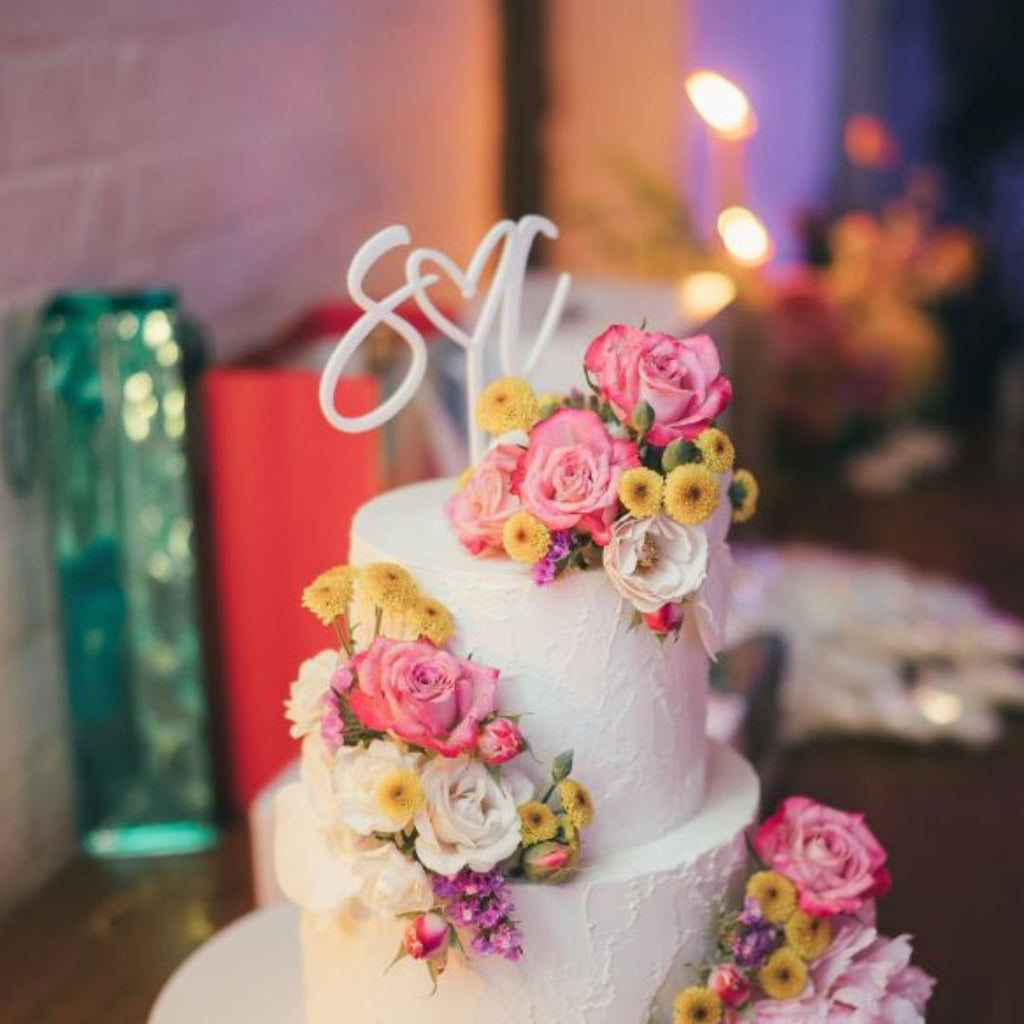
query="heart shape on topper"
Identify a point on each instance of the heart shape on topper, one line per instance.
(467, 281)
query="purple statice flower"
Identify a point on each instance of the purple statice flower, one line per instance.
(480, 902)
(507, 941)
(445, 886)
(481, 944)
(544, 570)
(752, 945)
(463, 912)
(751, 912)
(561, 544)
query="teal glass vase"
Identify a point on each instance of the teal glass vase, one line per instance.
(114, 411)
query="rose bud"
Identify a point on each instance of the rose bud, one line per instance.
(549, 862)
(729, 985)
(667, 619)
(500, 741)
(426, 937)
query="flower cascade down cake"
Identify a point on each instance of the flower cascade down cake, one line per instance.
(508, 810)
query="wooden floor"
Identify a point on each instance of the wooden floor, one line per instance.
(96, 944)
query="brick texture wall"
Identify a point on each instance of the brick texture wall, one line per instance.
(240, 150)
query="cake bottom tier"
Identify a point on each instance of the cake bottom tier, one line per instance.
(601, 949)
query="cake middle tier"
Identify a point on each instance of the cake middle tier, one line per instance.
(631, 708)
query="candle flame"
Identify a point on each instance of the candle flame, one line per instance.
(722, 105)
(744, 236)
(703, 295)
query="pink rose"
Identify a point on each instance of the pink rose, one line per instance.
(421, 694)
(667, 619)
(831, 857)
(679, 378)
(729, 984)
(426, 937)
(478, 512)
(500, 741)
(568, 477)
(341, 681)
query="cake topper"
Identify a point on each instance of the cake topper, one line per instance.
(511, 241)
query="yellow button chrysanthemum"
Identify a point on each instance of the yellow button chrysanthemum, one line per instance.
(576, 803)
(329, 595)
(389, 586)
(783, 976)
(430, 619)
(691, 493)
(507, 404)
(525, 537)
(716, 449)
(399, 795)
(537, 823)
(774, 893)
(696, 1005)
(807, 935)
(640, 490)
(744, 492)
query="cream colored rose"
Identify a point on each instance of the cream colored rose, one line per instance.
(393, 882)
(469, 819)
(304, 705)
(657, 561)
(359, 773)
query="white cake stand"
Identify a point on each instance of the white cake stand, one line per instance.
(251, 972)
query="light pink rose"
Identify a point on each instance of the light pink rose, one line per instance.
(332, 726)
(426, 937)
(342, 679)
(831, 857)
(422, 695)
(500, 741)
(478, 512)
(729, 984)
(863, 977)
(568, 477)
(680, 378)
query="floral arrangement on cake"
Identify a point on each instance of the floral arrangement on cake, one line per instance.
(634, 478)
(410, 806)
(804, 949)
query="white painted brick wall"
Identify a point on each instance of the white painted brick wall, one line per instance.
(240, 149)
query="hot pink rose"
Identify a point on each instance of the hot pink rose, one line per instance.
(667, 619)
(478, 512)
(426, 937)
(500, 741)
(421, 694)
(568, 477)
(679, 378)
(831, 857)
(729, 984)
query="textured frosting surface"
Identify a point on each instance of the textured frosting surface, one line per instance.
(599, 950)
(631, 708)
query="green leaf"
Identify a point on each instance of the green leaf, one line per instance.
(561, 766)
(678, 452)
(737, 494)
(643, 416)
(400, 955)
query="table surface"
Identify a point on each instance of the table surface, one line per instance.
(98, 942)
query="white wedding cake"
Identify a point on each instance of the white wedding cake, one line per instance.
(516, 696)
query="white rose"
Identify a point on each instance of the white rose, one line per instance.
(393, 882)
(358, 773)
(469, 819)
(304, 705)
(656, 561)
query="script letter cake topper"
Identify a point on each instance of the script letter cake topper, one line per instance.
(424, 268)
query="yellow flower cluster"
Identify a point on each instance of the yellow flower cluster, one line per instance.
(430, 620)
(744, 492)
(691, 493)
(399, 795)
(389, 586)
(507, 404)
(696, 1005)
(807, 935)
(715, 447)
(784, 975)
(775, 895)
(640, 491)
(577, 806)
(330, 594)
(537, 823)
(525, 537)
